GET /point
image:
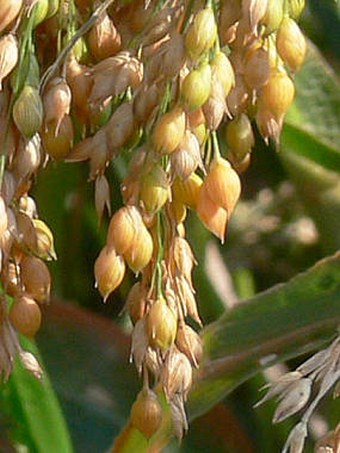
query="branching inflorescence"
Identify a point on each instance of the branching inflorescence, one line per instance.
(168, 85)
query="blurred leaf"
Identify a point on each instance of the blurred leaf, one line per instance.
(310, 146)
(33, 410)
(283, 322)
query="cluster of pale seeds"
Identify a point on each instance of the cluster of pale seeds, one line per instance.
(163, 83)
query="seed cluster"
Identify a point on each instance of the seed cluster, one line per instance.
(164, 83)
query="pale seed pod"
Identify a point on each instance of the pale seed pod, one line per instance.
(295, 8)
(28, 206)
(25, 315)
(124, 226)
(278, 94)
(39, 9)
(57, 101)
(79, 81)
(136, 302)
(238, 97)
(195, 118)
(3, 217)
(240, 136)
(161, 325)
(169, 131)
(139, 254)
(26, 239)
(215, 107)
(177, 211)
(256, 68)
(187, 299)
(7, 236)
(181, 259)
(102, 196)
(268, 125)
(196, 87)
(253, 11)
(9, 11)
(213, 216)
(109, 271)
(176, 375)
(230, 14)
(154, 190)
(53, 6)
(222, 70)
(139, 343)
(104, 39)
(27, 157)
(93, 148)
(223, 184)
(157, 25)
(58, 143)
(100, 154)
(291, 43)
(8, 188)
(189, 343)
(145, 101)
(200, 133)
(10, 278)
(201, 34)
(146, 413)
(28, 111)
(113, 76)
(187, 191)
(273, 17)
(45, 241)
(9, 55)
(8, 138)
(36, 278)
(120, 127)
(186, 159)
(168, 60)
